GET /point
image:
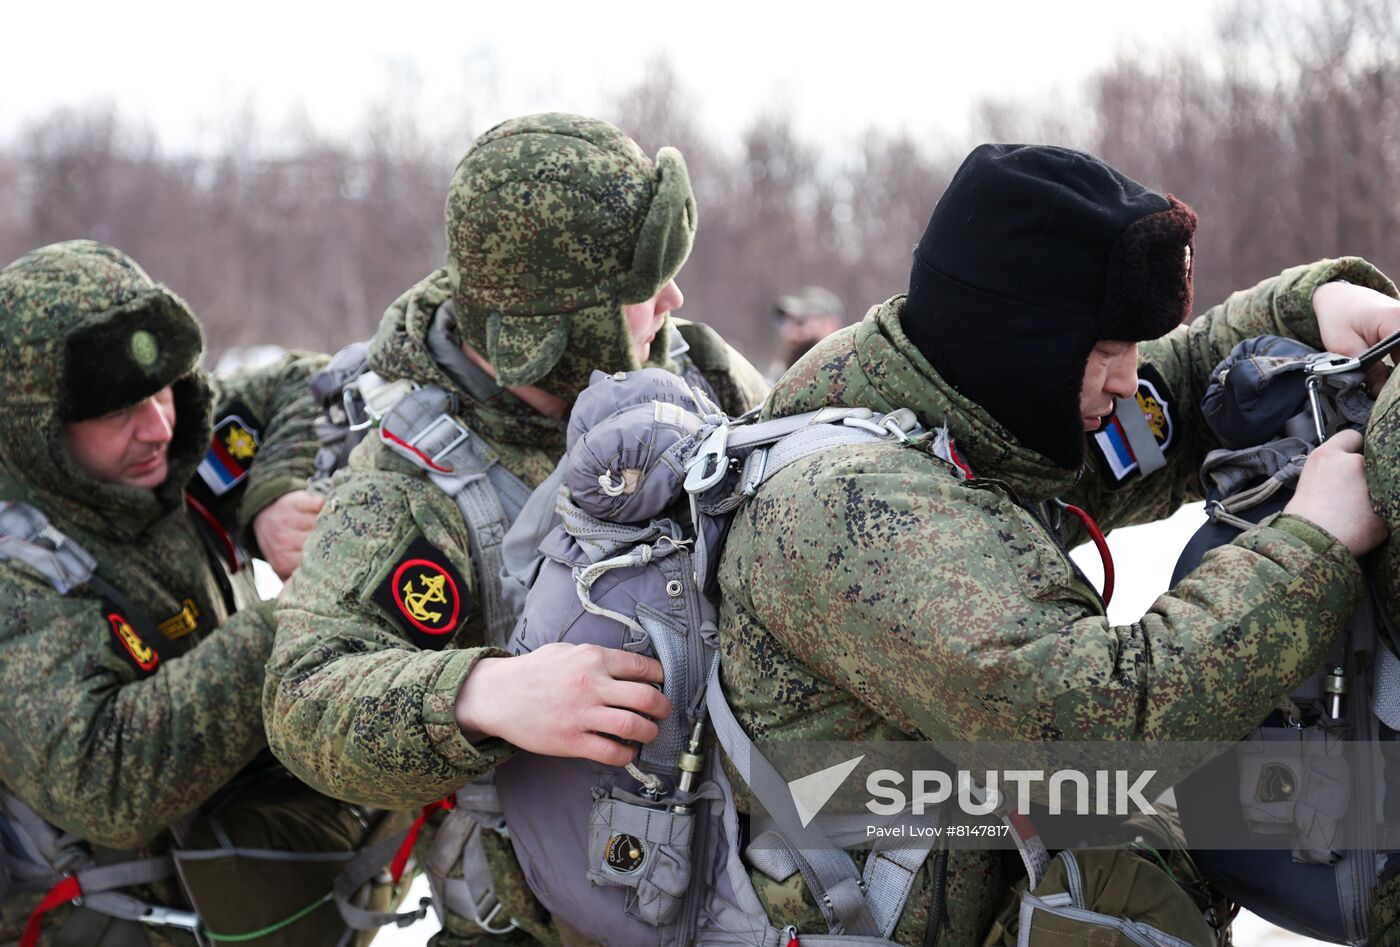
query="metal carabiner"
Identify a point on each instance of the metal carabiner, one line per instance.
(709, 463)
(1318, 367)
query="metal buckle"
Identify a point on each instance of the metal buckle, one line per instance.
(710, 463)
(759, 460)
(485, 922)
(1318, 367)
(169, 917)
(350, 397)
(462, 435)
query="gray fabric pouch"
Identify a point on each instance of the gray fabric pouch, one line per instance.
(643, 848)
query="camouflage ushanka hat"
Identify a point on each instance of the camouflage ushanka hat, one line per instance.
(83, 332)
(555, 222)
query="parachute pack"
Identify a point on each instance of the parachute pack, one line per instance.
(1306, 776)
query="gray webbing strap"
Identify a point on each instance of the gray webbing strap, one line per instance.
(764, 463)
(486, 524)
(889, 877)
(889, 872)
(473, 896)
(55, 854)
(367, 865)
(829, 872)
(1144, 446)
(520, 555)
(141, 871)
(26, 536)
(421, 428)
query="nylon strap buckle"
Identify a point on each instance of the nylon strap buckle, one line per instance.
(431, 430)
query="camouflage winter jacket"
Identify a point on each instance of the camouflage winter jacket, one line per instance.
(99, 735)
(353, 706)
(919, 606)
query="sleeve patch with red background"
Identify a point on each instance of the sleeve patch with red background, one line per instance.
(425, 595)
(126, 643)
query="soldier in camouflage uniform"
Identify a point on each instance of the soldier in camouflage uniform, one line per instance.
(563, 240)
(130, 701)
(898, 592)
(1382, 463)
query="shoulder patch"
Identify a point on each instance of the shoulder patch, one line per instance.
(1136, 440)
(128, 645)
(425, 595)
(231, 450)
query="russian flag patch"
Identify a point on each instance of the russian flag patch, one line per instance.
(1113, 444)
(231, 452)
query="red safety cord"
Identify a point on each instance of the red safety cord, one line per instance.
(1101, 544)
(1095, 533)
(64, 892)
(217, 528)
(400, 862)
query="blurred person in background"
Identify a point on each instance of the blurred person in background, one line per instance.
(803, 318)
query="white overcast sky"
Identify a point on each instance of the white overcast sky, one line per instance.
(840, 67)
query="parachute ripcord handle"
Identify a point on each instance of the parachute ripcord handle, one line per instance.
(1328, 363)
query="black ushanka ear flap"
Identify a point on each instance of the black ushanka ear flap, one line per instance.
(1150, 276)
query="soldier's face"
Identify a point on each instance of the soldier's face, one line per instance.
(644, 319)
(1110, 373)
(128, 446)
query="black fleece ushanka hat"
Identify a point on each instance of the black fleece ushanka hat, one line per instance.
(1033, 255)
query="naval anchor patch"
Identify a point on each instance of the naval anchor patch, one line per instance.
(425, 595)
(129, 646)
(1140, 434)
(231, 452)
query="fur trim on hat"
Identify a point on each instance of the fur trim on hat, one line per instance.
(128, 354)
(1150, 276)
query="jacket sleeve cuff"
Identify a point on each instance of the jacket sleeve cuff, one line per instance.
(261, 492)
(1351, 269)
(1315, 537)
(440, 717)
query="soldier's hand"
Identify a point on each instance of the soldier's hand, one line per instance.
(566, 700)
(282, 527)
(1332, 494)
(1353, 318)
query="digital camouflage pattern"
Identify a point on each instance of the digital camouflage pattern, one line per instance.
(554, 223)
(871, 594)
(1382, 450)
(84, 741)
(352, 706)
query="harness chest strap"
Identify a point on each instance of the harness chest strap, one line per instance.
(830, 873)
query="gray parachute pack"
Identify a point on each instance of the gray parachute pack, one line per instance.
(650, 854)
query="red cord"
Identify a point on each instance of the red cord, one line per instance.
(62, 893)
(400, 862)
(1096, 535)
(229, 549)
